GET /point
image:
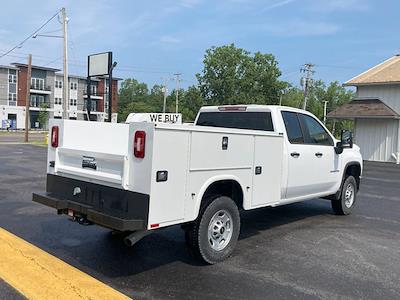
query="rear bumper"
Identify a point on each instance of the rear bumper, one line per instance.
(102, 205)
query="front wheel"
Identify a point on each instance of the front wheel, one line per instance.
(348, 195)
(214, 234)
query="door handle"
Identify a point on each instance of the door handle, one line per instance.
(318, 154)
(295, 154)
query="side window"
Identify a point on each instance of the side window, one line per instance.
(293, 128)
(314, 132)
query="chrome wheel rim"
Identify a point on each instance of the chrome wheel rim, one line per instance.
(220, 230)
(349, 195)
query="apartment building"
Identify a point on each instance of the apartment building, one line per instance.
(46, 94)
(9, 111)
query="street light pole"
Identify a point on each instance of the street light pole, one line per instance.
(65, 46)
(27, 97)
(177, 91)
(164, 90)
(325, 104)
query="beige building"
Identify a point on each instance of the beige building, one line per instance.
(376, 111)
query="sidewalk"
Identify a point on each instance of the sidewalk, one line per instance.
(18, 137)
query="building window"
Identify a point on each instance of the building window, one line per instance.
(74, 86)
(59, 84)
(58, 101)
(72, 102)
(37, 83)
(106, 106)
(93, 105)
(12, 99)
(12, 78)
(93, 90)
(37, 100)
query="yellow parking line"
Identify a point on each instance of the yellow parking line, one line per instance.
(38, 275)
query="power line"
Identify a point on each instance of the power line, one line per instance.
(29, 36)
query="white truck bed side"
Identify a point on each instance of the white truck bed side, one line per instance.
(195, 160)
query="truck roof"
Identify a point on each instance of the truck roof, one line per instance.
(249, 107)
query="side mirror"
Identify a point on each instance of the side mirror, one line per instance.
(338, 148)
(346, 141)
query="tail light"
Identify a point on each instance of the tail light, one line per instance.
(54, 136)
(139, 144)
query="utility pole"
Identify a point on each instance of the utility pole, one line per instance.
(65, 46)
(165, 91)
(306, 81)
(177, 91)
(28, 96)
(325, 104)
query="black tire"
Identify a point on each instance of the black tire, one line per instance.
(197, 234)
(343, 206)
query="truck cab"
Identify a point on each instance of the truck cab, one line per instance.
(313, 161)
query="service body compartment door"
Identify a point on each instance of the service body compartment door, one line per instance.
(220, 151)
(170, 154)
(268, 158)
(218, 156)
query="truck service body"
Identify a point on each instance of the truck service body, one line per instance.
(138, 176)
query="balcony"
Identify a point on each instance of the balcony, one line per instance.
(38, 104)
(95, 96)
(40, 89)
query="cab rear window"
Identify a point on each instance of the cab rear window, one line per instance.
(240, 120)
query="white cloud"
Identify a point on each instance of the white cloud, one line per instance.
(278, 4)
(302, 28)
(339, 5)
(167, 39)
(189, 3)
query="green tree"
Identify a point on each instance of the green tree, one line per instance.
(43, 116)
(190, 103)
(131, 91)
(335, 95)
(233, 75)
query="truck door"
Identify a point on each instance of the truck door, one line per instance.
(322, 153)
(312, 162)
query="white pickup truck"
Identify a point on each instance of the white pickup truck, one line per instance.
(138, 177)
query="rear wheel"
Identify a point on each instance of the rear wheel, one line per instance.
(214, 234)
(348, 196)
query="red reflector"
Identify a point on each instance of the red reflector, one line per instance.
(54, 136)
(154, 225)
(139, 144)
(232, 108)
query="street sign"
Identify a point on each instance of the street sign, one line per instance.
(99, 64)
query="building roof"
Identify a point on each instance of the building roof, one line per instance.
(363, 108)
(8, 67)
(97, 78)
(106, 77)
(387, 72)
(35, 67)
(76, 76)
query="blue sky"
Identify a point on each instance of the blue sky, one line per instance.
(154, 39)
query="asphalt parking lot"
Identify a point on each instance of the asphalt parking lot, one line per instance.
(299, 250)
